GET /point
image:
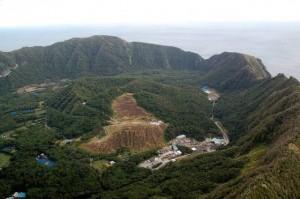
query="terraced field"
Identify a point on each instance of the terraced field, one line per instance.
(130, 127)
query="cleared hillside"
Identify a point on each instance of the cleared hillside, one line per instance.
(130, 127)
(84, 107)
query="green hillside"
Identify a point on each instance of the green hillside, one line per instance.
(84, 106)
(261, 115)
(269, 117)
(106, 55)
(235, 71)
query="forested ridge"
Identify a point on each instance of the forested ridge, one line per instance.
(107, 55)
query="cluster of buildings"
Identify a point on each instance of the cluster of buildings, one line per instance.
(165, 155)
(211, 93)
(172, 152)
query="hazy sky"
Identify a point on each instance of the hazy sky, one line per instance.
(15, 13)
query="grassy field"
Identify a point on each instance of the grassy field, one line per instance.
(100, 165)
(253, 156)
(4, 160)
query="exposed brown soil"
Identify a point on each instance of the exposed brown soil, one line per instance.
(131, 127)
(125, 107)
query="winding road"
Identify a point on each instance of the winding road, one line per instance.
(223, 131)
(213, 96)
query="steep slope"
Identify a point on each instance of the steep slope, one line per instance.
(270, 142)
(85, 105)
(235, 70)
(97, 55)
(150, 56)
(262, 162)
(4, 63)
(235, 108)
(107, 55)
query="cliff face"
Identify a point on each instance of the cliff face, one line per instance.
(235, 70)
(149, 56)
(97, 55)
(6, 64)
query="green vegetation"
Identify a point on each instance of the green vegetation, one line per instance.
(82, 108)
(106, 55)
(186, 179)
(234, 71)
(97, 55)
(253, 157)
(20, 111)
(100, 165)
(39, 181)
(4, 160)
(268, 123)
(184, 108)
(261, 114)
(187, 111)
(85, 106)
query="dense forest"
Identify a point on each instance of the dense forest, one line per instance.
(182, 105)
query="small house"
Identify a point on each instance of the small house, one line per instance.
(112, 163)
(174, 147)
(19, 195)
(181, 136)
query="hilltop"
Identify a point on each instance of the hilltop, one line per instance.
(107, 55)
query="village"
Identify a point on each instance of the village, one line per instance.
(172, 152)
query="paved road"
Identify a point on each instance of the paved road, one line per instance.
(223, 131)
(213, 96)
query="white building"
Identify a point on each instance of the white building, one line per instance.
(181, 136)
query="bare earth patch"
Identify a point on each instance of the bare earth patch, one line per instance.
(131, 127)
(294, 148)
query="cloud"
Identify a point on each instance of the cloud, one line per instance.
(85, 12)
